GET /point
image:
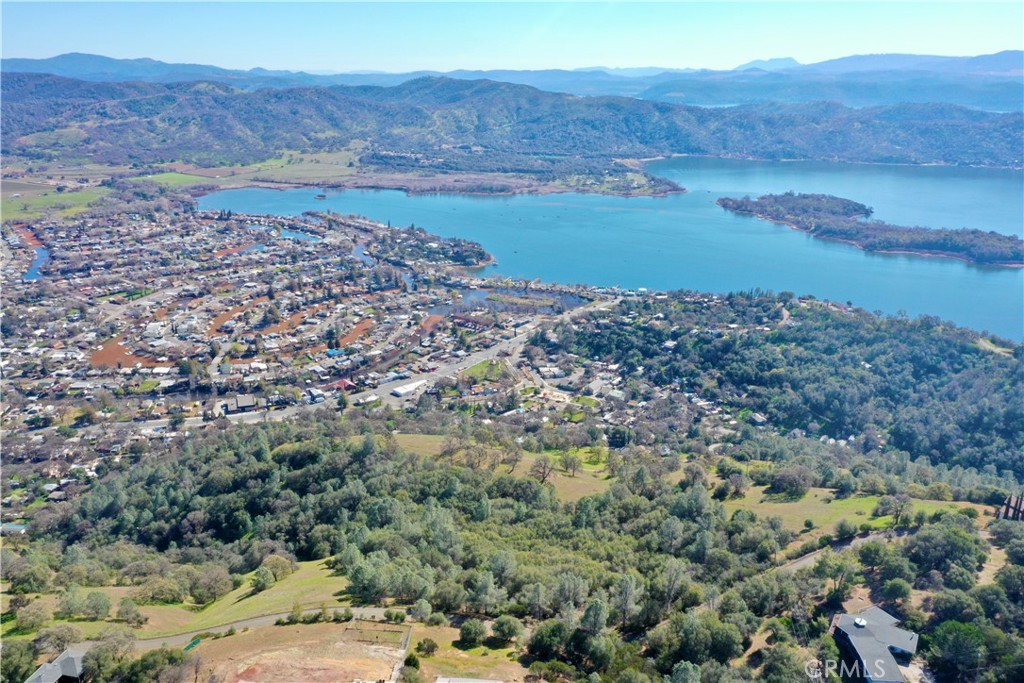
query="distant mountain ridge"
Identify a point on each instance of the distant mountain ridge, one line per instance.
(445, 124)
(989, 82)
(776, 64)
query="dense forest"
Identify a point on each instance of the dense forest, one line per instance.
(840, 219)
(915, 385)
(481, 125)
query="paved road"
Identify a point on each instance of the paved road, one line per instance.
(809, 559)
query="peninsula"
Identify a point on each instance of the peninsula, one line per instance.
(835, 218)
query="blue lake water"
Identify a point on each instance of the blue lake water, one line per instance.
(687, 241)
(40, 259)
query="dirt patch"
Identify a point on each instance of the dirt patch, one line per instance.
(212, 330)
(320, 653)
(859, 600)
(233, 250)
(114, 355)
(294, 320)
(361, 328)
(28, 237)
(431, 322)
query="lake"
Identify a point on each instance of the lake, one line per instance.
(688, 242)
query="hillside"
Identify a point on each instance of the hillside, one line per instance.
(447, 124)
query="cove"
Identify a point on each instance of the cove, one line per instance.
(687, 242)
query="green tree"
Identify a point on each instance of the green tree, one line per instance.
(507, 628)
(472, 632)
(595, 617)
(571, 463)
(32, 616)
(426, 647)
(17, 662)
(626, 598)
(262, 580)
(956, 649)
(128, 612)
(96, 606)
(421, 610)
(56, 638)
(896, 590)
(685, 672)
(70, 603)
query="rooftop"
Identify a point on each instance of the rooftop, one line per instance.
(874, 638)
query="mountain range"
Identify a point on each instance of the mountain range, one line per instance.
(988, 82)
(445, 124)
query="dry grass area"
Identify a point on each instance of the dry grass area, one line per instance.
(317, 653)
(821, 506)
(995, 561)
(477, 662)
(587, 482)
(860, 599)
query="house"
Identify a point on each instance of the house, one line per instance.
(873, 642)
(67, 668)
(243, 403)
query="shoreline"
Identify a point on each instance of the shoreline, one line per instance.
(408, 185)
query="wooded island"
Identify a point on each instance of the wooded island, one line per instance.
(836, 218)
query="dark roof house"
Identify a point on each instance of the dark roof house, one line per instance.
(67, 668)
(874, 642)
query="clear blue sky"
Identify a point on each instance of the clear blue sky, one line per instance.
(389, 36)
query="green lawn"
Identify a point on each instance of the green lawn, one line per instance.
(587, 401)
(486, 371)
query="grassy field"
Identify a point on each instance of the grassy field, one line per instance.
(175, 179)
(820, 506)
(477, 662)
(486, 371)
(36, 201)
(292, 167)
(311, 585)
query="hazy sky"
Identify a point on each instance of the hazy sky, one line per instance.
(392, 36)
